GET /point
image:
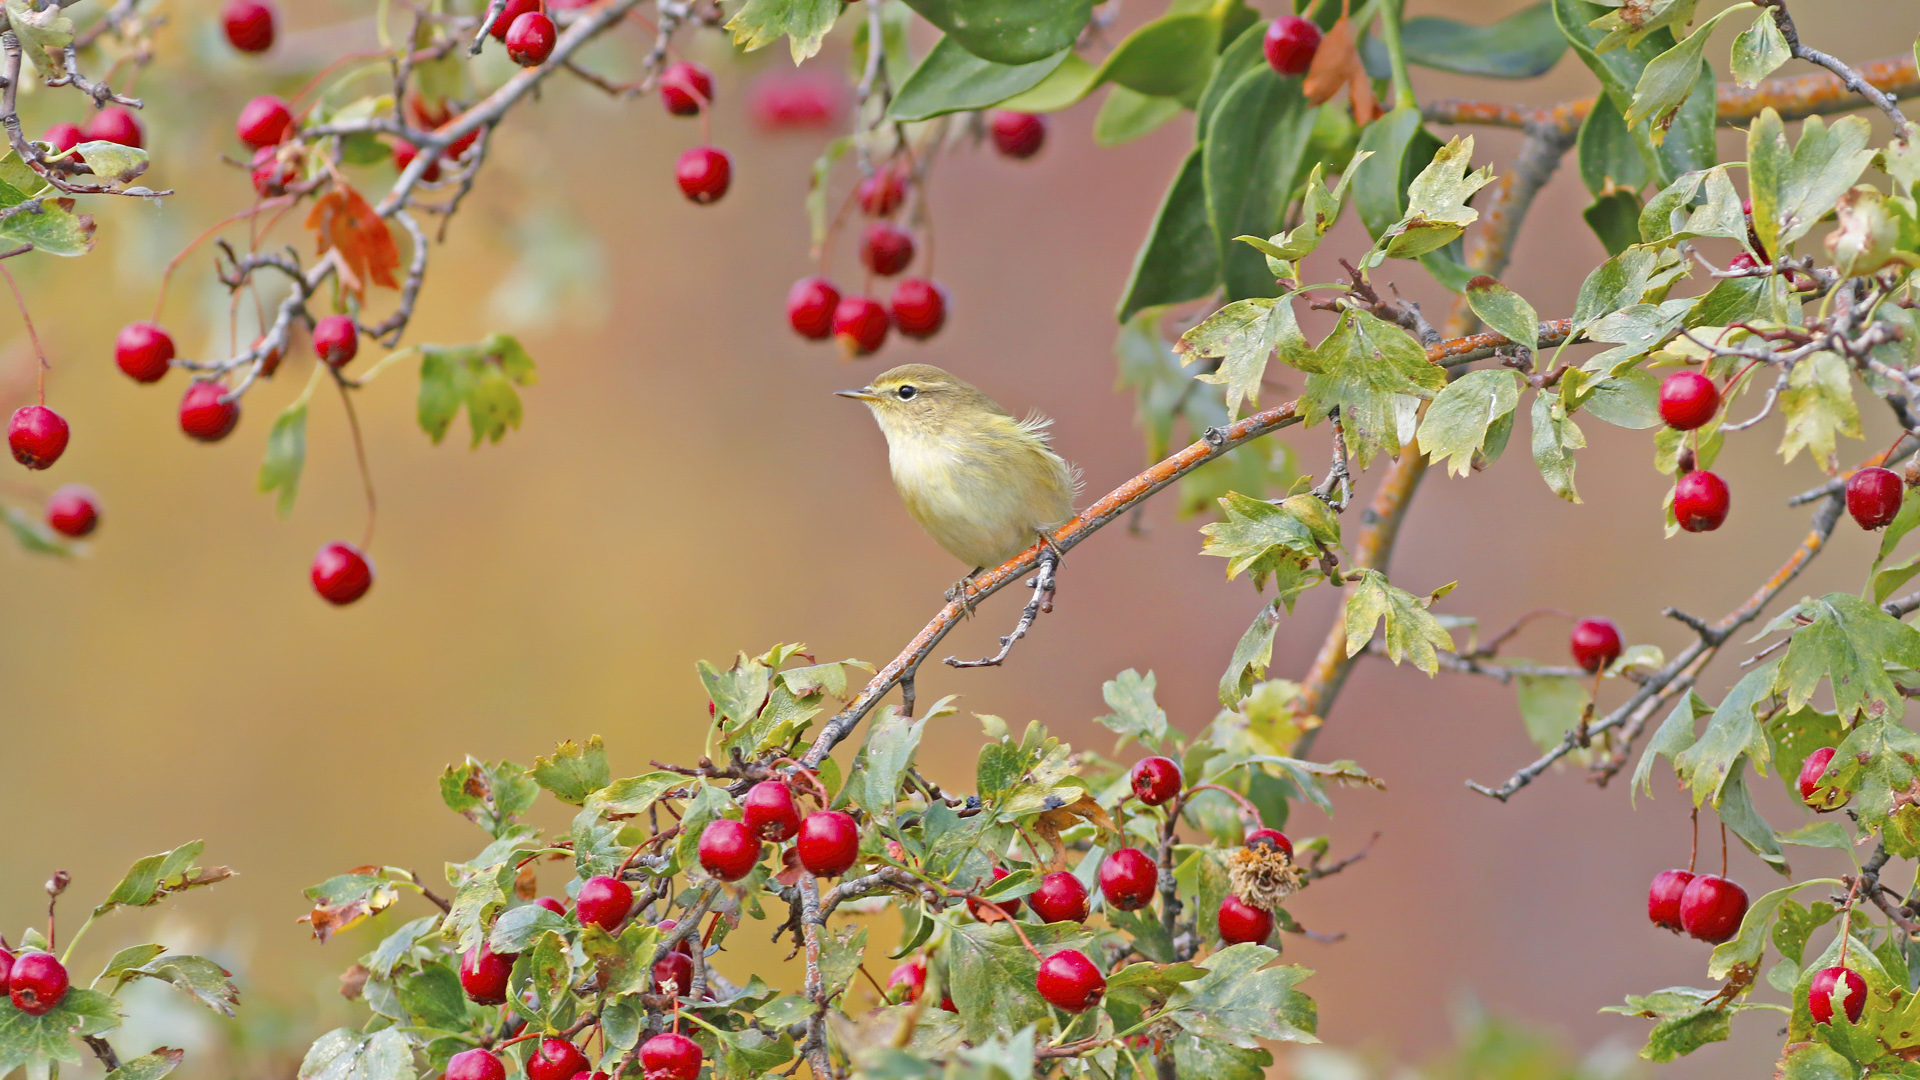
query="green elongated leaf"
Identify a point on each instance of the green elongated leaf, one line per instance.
(1814, 1061)
(1732, 733)
(1615, 219)
(36, 1041)
(1006, 31)
(39, 31)
(1411, 630)
(1609, 157)
(1253, 150)
(573, 772)
(1847, 642)
(1736, 809)
(1793, 189)
(207, 982)
(738, 692)
(1819, 834)
(1818, 406)
(1127, 115)
(634, 794)
(1629, 400)
(286, 456)
(1251, 655)
(992, 974)
(1523, 45)
(1179, 261)
(804, 23)
(1674, 735)
(397, 948)
(818, 217)
(1319, 208)
(1171, 56)
(55, 230)
(1456, 425)
(1670, 77)
(152, 879)
(112, 161)
(1759, 50)
(542, 975)
(1746, 946)
(1241, 1000)
(1135, 712)
(432, 996)
(1555, 438)
(1549, 706)
(149, 1066)
(951, 79)
(130, 958)
(1243, 54)
(1068, 83)
(1504, 310)
(1688, 144)
(32, 535)
(1375, 373)
(346, 1054)
(885, 758)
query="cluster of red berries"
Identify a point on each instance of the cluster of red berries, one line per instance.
(826, 842)
(704, 172)
(1704, 906)
(34, 981)
(668, 1056)
(1689, 400)
(112, 124)
(527, 32)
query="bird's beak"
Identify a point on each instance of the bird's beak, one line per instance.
(865, 393)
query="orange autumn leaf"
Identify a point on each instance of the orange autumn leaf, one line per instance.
(342, 221)
(1335, 63)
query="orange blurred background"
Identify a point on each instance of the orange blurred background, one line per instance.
(684, 487)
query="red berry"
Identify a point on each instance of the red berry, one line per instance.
(403, 154)
(336, 341)
(1663, 897)
(913, 976)
(768, 811)
(341, 574)
(1688, 399)
(249, 25)
(886, 248)
(501, 24)
(264, 121)
(1700, 501)
(1270, 836)
(686, 88)
(483, 974)
(810, 305)
(677, 968)
(530, 39)
(604, 901)
(64, 137)
(859, 325)
(557, 1059)
(829, 843)
(73, 511)
(727, 850)
(882, 193)
(919, 307)
(1060, 898)
(1242, 923)
(116, 125)
(685, 945)
(37, 436)
(668, 1056)
(143, 351)
(1743, 261)
(979, 908)
(1155, 780)
(557, 907)
(475, 1064)
(1069, 981)
(1873, 496)
(37, 983)
(1017, 135)
(1811, 770)
(6, 967)
(1128, 878)
(795, 100)
(272, 173)
(1853, 994)
(704, 174)
(1711, 908)
(1290, 44)
(1595, 643)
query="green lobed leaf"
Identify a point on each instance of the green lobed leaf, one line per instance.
(202, 979)
(1463, 413)
(1738, 813)
(1792, 189)
(1670, 77)
(573, 772)
(1319, 209)
(1436, 202)
(346, 1054)
(1284, 541)
(1847, 642)
(1241, 1000)
(805, 23)
(35, 1041)
(432, 996)
(481, 377)
(152, 879)
(286, 456)
(1818, 406)
(1674, 735)
(1135, 712)
(884, 759)
(1683, 1020)
(1251, 655)
(1241, 336)
(149, 1066)
(1630, 399)
(1732, 733)
(1689, 142)
(992, 973)
(635, 794)
(1411, 630)
(516, 928)
(1555, 438)
(1376, 374)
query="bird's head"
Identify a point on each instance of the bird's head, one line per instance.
(921, 399)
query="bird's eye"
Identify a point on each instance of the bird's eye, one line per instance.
(907, 392)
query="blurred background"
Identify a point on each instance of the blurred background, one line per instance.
(684, 487)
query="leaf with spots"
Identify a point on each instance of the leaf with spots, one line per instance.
(1411, 630)
(1849, 642)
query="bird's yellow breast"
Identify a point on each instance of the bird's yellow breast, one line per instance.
(982, 495)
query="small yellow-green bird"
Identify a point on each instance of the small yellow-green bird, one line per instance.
(984, 485)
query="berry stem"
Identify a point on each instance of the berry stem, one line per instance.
(32, 334)
(166, 276)
(1693, 849)
(1846, 920)
(360, 455)
(1723, 849)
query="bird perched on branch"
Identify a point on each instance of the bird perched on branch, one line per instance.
(982, 484)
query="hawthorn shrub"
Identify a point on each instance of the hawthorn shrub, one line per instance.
(1072, 914)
